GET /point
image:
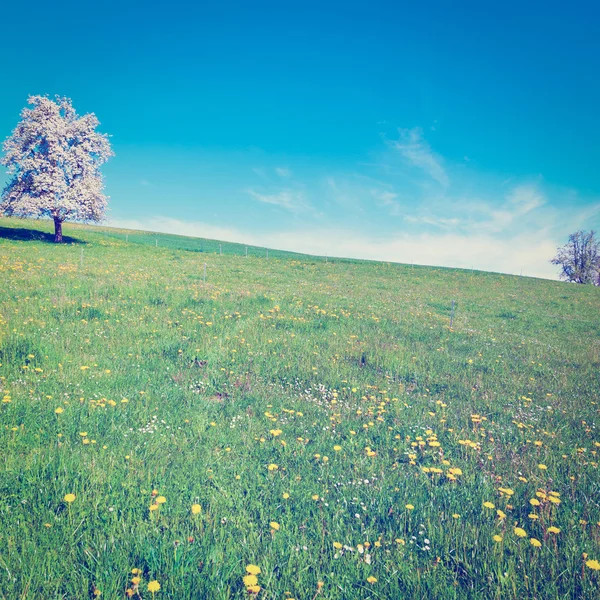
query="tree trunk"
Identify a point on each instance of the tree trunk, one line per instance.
(57, 231)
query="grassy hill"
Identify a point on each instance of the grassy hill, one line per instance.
(320, 421)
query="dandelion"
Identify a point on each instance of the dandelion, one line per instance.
(337, 545)
(337, 448)
(501, 514)
(593, 564)
(456, 516)
(519, 532)
(59, 410)
(285, 495)
(272, 467)
(274, 525)
(535, 543)
(253, 570)
(488, 505)
(534, 502)
(372, 579)
(315, 496)
(250, 580)
(553, 529)
(161, 500)
(409, 507)
(69, 498)
(196, 509)
(153, 587)
(497, 538)
(542, 467)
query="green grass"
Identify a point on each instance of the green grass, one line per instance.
(174, 386)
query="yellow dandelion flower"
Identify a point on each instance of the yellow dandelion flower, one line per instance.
(337, 545)
(274, 525)
(497, 538)
(553, 529)
(69, 498)
(59, 410)
(315, 496)
(542, 467)
(501, 514)
(337, 448)
(196, 509)
(535, 543)
(372, 579)
(161, 500)
(253, 570)
(456, 516)
(154, 586)
(250, 580)
(253, 589)
(285, 495)
(554, 499)
(519, 532)
(489, 505)
(272, 467)
(534, 502)
(409, 507)
(593, 564)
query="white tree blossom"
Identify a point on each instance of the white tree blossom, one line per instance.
(54, 157)
(579, 259)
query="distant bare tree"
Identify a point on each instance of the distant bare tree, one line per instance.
(579, 259)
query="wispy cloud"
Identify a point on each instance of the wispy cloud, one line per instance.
(291, 200)
(283, 171)
(145, 182)
(434, 221)
(415, 149)
(388, 199)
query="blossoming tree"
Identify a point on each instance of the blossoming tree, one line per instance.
(54, 157)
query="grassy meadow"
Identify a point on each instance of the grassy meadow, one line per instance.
(290, 428)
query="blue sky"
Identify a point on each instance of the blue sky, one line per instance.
(458, 134)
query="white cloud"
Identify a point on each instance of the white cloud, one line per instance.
(435, 221)
(291, 200)
(388, 199)
(283, 172)
(417, 151)
(526, 198)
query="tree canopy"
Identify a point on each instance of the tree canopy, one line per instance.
(54, 157)
(579, 259)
